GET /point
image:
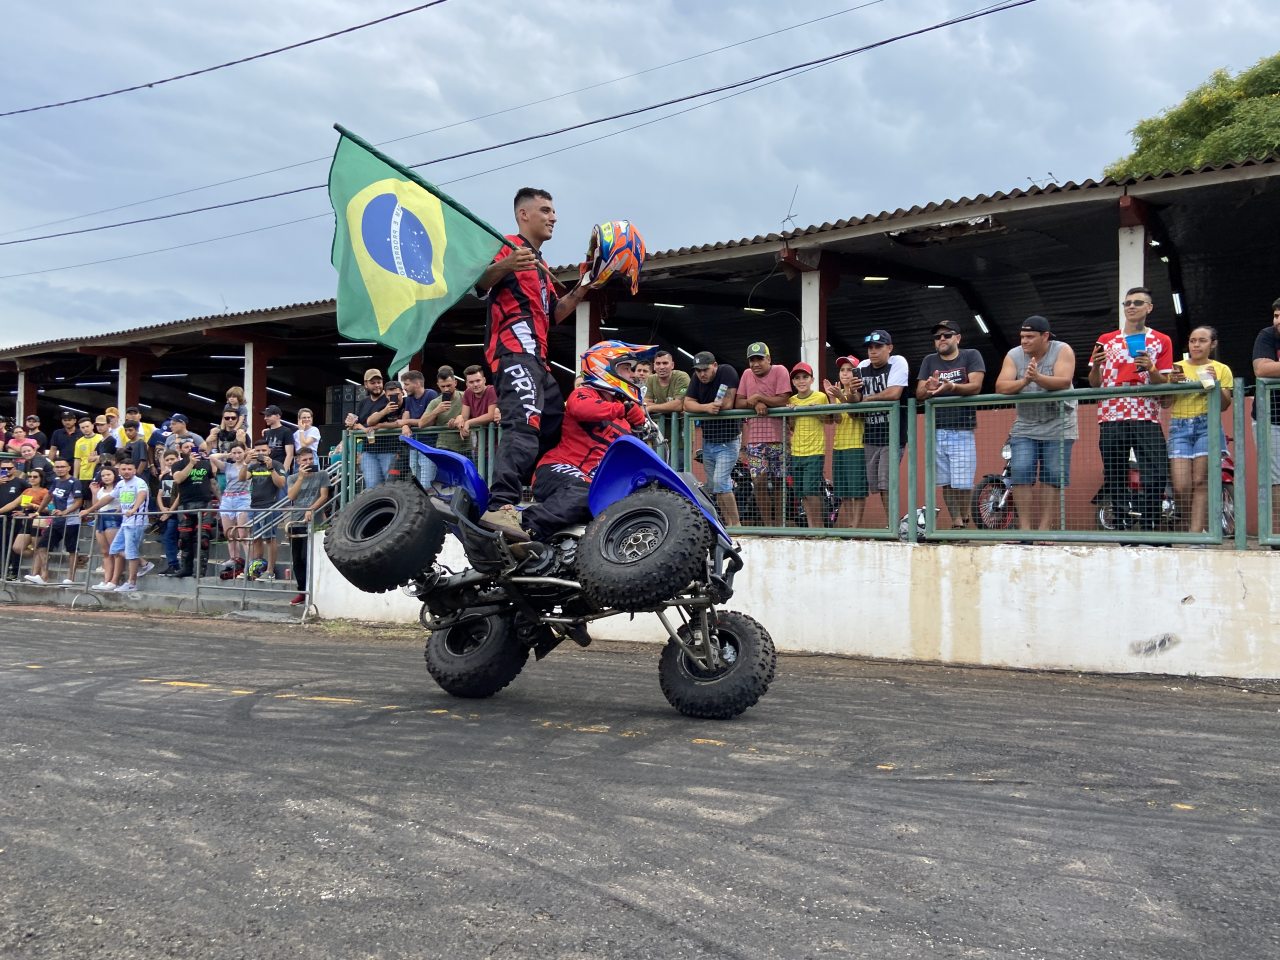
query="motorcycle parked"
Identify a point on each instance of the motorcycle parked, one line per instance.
(993, 506)
(655, 544)
(1170, 516)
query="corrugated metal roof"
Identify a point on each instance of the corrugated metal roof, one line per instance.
(885, 216)
(963, 203)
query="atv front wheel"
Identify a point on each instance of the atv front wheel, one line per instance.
(385, 537)
(749, 665)
(476, 658)
(643, 550)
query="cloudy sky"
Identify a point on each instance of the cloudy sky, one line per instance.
(1048, 88)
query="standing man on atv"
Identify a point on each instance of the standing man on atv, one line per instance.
(522, 304)
(605, 407)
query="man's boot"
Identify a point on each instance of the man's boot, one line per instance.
(185, 562)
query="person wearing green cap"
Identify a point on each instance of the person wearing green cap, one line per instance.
(762, 387)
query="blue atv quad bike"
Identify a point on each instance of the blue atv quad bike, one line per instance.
(654, 544)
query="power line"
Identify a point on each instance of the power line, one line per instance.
(782, 72)
(457, 123)
(222, 66)
(992, 8)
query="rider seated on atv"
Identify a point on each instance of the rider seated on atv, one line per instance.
(606, 406)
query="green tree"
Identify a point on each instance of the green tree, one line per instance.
(1224, 119)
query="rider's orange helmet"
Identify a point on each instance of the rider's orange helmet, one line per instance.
(616, 248)
(600, 366)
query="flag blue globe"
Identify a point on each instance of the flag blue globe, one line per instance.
(396, 239)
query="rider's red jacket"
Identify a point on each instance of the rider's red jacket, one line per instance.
(592, 420)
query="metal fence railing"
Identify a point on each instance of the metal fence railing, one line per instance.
(43, 556)
(1157, 481)
(1266, 406)
(1106, 485)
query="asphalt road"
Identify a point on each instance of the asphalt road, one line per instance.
(211, 789)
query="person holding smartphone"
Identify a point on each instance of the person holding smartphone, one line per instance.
(308, 492)
(1132, 422)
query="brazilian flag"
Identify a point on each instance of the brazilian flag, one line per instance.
(404, 250)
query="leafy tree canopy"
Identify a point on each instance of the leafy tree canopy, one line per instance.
(1225, 119)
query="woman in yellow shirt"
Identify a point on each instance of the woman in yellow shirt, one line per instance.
(1189, 425)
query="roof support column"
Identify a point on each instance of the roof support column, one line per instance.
(586, 328)
(255, 385)
(1132, 250)
(127, 384)
(28, 398)
(815, 287)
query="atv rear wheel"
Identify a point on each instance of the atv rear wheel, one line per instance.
(750, 663)
(385, 537)
(476, 658)
(643, 550)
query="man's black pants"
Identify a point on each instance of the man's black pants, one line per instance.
(532, 411)
(560, 500)
(1146, 438)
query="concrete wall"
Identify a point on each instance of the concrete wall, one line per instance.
(1104, 609)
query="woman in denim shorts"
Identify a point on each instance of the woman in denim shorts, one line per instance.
(1189, 425)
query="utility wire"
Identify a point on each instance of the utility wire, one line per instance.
(456, 123)
(782, 72)
(444, 183)
(221, 66)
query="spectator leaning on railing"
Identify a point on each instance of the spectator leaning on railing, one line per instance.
(953, 372)
(882, 376)
(443, 409)
(1266, 364)
(373, 463)
(808, 443)
(762, 387)
(713, 391)
(1043, 433)
(848, 456)
(1189, 425)
(416, 400)
(1132, 357)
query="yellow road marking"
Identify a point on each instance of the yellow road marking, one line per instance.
(244, 693)
(34, 666)
(1182, 806)
(886, 766)
(185, 683)
(707, 742)
(331, 699)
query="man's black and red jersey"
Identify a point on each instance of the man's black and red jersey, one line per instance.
(592, 421)
(521, 306)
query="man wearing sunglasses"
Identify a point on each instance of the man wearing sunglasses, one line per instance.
(1133, 356)
(952, 372)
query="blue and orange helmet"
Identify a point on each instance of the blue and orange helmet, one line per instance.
(616, 249)
(600, 366)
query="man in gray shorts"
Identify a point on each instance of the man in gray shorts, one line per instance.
(882, 376)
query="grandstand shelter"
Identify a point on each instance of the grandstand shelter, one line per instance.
(1203, 240)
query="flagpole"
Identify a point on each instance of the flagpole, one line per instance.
(416, 178)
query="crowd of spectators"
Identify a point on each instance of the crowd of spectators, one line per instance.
(103, 482)
(1043, 433)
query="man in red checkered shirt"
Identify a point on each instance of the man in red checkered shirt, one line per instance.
(1134, 356)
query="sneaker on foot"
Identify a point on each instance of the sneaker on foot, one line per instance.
(267, 577)
(506, 520)
(127, 587)
(35, 578)
(104, 585)
(146, 568)
(68, 582)
(300, 598)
